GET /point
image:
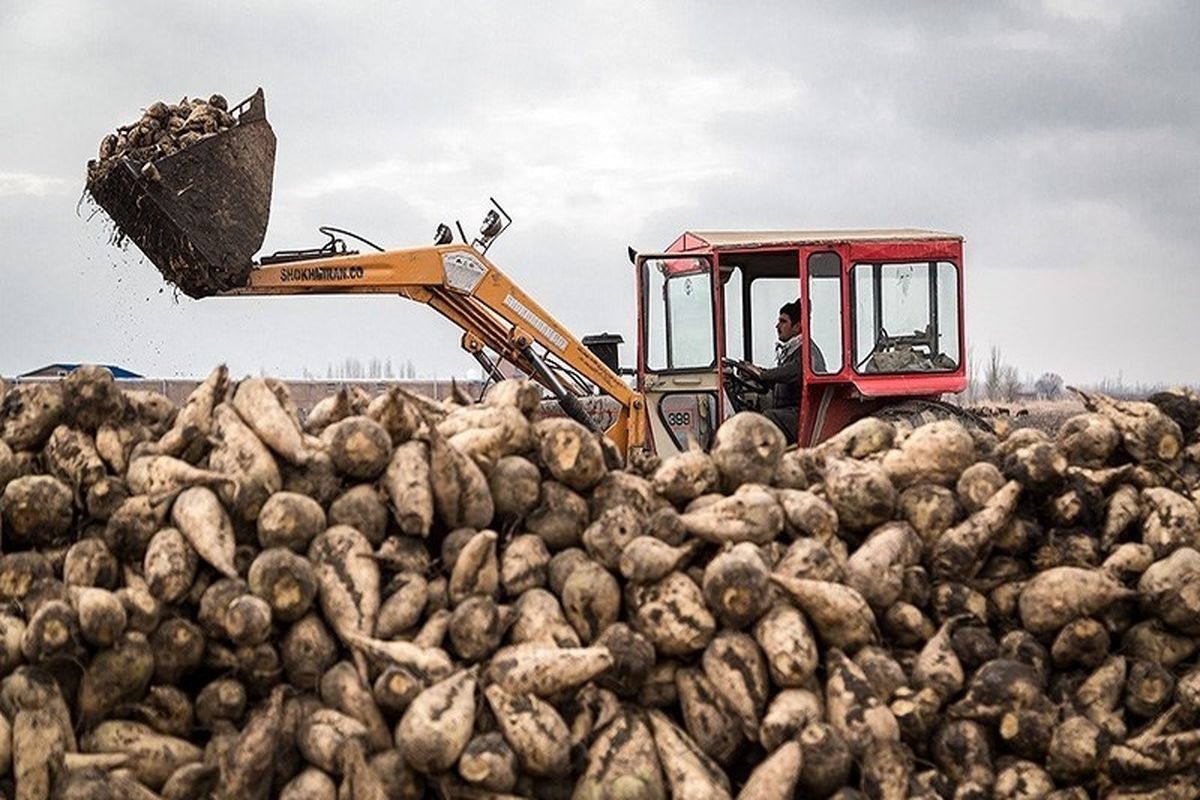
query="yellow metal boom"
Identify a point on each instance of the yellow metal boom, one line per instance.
(461, 284)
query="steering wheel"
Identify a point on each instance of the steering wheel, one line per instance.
(738, 386)
(882, 343)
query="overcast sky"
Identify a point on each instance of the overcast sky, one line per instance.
(1061, 138)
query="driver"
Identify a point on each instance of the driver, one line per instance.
(782, 406)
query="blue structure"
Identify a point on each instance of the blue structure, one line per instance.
(60, 370)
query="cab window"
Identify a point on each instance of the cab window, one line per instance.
(735, 346)
(767, 296)
(678, 314)
(824, 325)
(906, 317)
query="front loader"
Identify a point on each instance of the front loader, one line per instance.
(883, 307)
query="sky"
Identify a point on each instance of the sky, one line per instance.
(1061, 138)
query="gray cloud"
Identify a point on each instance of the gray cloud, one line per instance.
(1062, 139)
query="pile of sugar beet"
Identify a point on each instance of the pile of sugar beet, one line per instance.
(163, 130)
(399, 598)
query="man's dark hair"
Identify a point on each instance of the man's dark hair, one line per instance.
(791, 311)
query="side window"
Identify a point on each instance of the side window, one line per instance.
(947, 311)
(767, 295)
(734, 324)
(824, 328)
(689, 415)
(678, 314)
(690, 313)
(862, 282)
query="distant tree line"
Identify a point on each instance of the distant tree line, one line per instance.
(353, 369)
(995, 380)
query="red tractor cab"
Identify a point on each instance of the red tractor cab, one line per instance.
(882, 322)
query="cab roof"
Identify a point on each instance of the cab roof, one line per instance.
(722, 240)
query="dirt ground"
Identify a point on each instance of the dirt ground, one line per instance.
(1047, 415)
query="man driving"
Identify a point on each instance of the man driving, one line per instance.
(782, 405)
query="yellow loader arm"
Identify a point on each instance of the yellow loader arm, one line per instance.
(462, 285)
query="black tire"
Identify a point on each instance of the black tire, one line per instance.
(918, 412)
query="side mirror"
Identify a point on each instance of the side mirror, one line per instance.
(632, 256)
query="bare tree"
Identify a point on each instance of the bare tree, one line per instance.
(1049, 386)
(1010, 383)
(972, 393)
(350, 369)
(993, 374)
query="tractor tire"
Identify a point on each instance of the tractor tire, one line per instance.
(915, 413)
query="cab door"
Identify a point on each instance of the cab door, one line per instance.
(824, 291)
(677, 349)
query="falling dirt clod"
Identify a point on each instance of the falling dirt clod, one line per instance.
(190, 185)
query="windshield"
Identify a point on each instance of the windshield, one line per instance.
(906, 317)
(678, 314)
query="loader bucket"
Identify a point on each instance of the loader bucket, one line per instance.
(201, 218)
